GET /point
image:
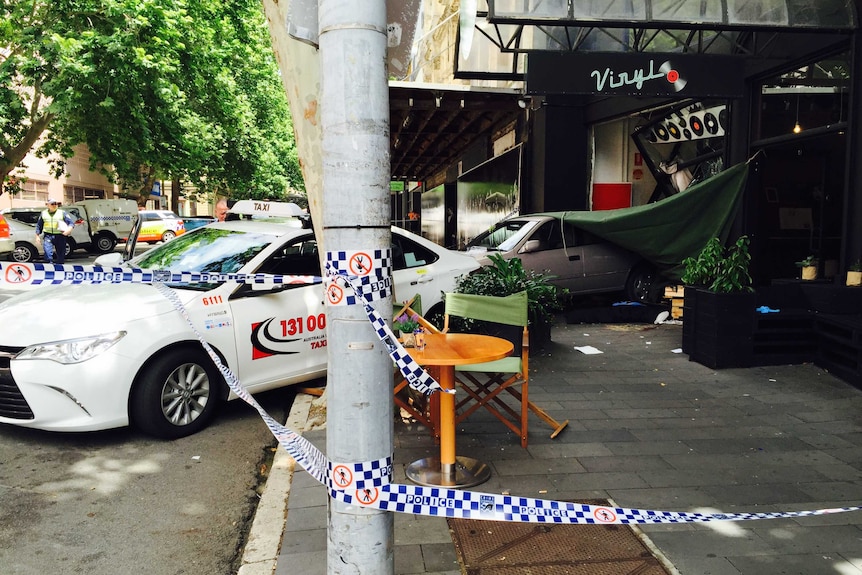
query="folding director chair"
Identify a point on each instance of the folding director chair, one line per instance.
(485, 383)
(417, 406)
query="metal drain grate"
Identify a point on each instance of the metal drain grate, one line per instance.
(502, 548)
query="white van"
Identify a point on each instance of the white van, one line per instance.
(110, 221)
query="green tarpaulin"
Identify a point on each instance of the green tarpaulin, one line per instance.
(668, 231)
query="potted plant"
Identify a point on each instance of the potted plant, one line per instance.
(506, 277)
(854, 274)
(809, 268)
(720, 317)
(407, 325)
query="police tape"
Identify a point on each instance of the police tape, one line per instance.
(368, 484)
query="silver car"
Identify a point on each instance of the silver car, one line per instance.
(27, 249)
(582, 262)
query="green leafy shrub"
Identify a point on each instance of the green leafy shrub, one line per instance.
(718, 269)
(506, 277)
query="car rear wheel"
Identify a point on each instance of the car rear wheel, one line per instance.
(105, 242)
(24, 253)
(177, 394)
(71, 246)
(641, 284)
(168, 235)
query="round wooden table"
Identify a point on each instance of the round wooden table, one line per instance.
(447, 350)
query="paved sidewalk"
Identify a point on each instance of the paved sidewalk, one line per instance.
(649, 429)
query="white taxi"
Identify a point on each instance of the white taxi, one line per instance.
(131, 358)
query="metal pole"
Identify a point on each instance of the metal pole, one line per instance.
(354, 101)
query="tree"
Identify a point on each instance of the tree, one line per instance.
(163, 88)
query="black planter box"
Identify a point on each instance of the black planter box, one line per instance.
(722, 330)
(689, 304)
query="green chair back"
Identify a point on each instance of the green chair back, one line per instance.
(509, 310)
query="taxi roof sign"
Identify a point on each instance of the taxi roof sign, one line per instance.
(264, 208)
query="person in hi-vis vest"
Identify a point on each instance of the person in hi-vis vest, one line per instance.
(54, 225)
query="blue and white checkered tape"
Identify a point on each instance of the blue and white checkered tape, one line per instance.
(368, 483)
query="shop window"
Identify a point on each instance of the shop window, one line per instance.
(813, 96)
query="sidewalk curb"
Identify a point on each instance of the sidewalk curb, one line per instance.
(261, 551)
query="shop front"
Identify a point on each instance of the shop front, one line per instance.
(649, 124)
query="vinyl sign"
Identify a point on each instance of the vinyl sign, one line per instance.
(634, 74)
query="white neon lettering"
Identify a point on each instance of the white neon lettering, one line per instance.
(618, 79)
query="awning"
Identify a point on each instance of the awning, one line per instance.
(432, 126)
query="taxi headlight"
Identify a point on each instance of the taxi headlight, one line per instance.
(72, 350)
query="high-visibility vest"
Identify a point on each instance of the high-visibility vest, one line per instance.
(51, 222)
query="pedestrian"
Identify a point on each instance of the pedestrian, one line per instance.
(221, 210)
(54, 225)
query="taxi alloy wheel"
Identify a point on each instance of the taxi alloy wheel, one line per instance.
(177, 395)
(168, 235)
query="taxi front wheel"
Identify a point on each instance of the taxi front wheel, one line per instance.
(177, 394)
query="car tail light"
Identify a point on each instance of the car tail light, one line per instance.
(4, 228)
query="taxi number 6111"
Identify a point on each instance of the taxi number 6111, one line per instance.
(298, 325)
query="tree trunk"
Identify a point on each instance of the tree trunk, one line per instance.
(13, 156)
(176, 190)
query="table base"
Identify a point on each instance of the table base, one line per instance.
(467, 472)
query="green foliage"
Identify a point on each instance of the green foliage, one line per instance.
(718, 269)
(702, 270)
(807, 262)
(855, 266)
(506, 277)
(162, 89)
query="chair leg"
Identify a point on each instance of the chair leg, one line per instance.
(483, 396)
(544, 415)
(414, 413)
(555, 425)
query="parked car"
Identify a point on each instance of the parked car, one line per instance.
(27, 249)
(194, 222)
(582, 262)
(7, 244)
(160, 226)
(134, 360)
(80, 238)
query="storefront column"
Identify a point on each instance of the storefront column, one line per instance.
(559, 159)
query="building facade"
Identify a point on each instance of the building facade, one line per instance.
(557, 105)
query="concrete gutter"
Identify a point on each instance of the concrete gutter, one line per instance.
(267, 529)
